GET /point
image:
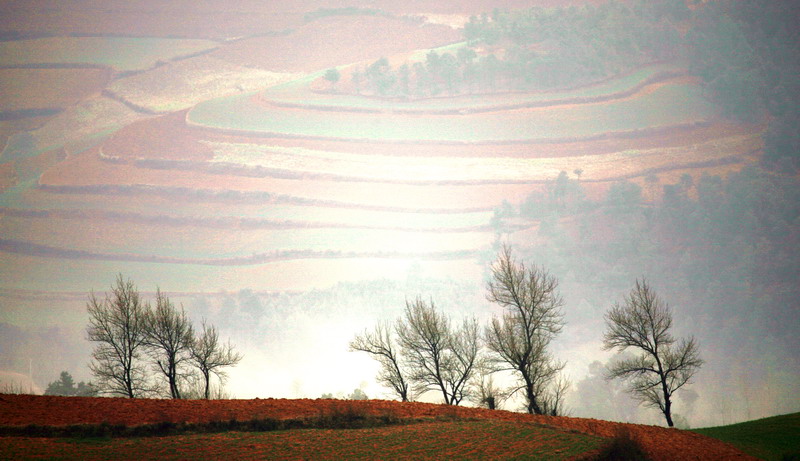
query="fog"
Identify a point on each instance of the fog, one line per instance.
(213, 153)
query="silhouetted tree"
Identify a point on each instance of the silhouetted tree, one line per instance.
(381, 345)
(437, 356)
(118, 326)
(66, 386)
(169, 337)
(210, 356)
(518, 341)
(662, 366)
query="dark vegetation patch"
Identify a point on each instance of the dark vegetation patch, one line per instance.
(623, 447)
(340, 415)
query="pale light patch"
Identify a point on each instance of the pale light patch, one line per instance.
(623, 164)
(455, 21)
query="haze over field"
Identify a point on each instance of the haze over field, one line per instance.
(293, 172)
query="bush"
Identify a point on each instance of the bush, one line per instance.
(622, 447)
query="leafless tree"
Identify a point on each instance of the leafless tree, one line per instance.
(518, 341)
(437, 356)
(663, 366)
(381, 345)
(117, 325)
(169, 340)
(211, 356)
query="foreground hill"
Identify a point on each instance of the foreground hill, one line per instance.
(776, 437)
(419, 430)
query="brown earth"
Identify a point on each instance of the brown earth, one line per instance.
(8, 176)
(48, 88)
(20, 410)
(165, 137)
(335, 41)
(209, 18)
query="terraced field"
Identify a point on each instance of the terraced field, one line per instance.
(119, 53)
(209, 166)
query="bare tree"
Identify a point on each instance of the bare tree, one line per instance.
(211, 356)
(169, 340)
(662, 367)
(438, 357)
(518, 341)
(118, 326)
(380, 344)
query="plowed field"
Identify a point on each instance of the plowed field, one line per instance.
(660, 443)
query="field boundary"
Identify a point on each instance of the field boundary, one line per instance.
(465, 110)
(34, 249)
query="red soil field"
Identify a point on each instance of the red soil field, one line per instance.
(20, 410)
(48, 88)
(178, 18)
(335, 41)
(8, 176)
(210, 18)
(166, 137)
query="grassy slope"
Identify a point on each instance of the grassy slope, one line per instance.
(435, 440)
(768, 438)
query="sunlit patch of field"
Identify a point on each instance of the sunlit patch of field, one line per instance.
(169, 209)
(58, 274)
(86, 172)
(196, 242)
(616, 165)
(119, 53)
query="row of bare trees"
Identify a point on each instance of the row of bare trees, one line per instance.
(423, 351)
(132, 338)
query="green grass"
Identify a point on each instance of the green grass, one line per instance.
(774, 438)
(434, 440)
(664, 106)
(297, 93)
(120, 53)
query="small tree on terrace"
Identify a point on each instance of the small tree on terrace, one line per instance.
(118, 326)
(662, 367)
(333, 76)
(438, 356)
(169, 340)
(211, 356)
(518, 341)
(380, 344)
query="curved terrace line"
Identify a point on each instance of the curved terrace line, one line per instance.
(225, 222)
(227, 194)
(472, 103)
(664, 106)
(33, 249)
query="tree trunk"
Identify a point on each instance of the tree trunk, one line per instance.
(667, 400)
(206, 376)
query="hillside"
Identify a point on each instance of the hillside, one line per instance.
(421, 431)
(777, 437)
